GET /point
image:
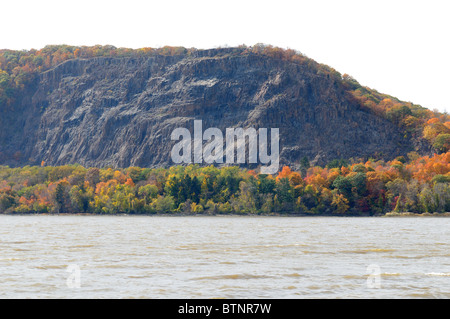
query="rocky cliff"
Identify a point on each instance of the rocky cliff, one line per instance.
(120, 112)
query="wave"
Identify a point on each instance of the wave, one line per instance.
(370, 250)
(232, 276)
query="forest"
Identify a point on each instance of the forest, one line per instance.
(416, 184)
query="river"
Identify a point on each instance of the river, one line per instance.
(45, 256)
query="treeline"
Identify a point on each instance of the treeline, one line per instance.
(419, 185)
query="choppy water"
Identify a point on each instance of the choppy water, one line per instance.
(223, 257)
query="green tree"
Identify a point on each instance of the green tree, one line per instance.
(7, 200)
(442, 143)
(245, 202)
(148, 192)
(79, 199)
(427, 200)
(343, 185)
(441, 193)
(265, 185)
(310, 199)
(439, 178)
(285, 194)
(359, 183)
(163, 204)
(62, 198)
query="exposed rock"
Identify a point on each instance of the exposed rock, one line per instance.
(121, 111)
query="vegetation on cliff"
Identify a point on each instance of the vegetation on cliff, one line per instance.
(419, 185)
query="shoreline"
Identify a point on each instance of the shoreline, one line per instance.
(387, 215)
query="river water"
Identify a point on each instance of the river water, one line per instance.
(223, 257)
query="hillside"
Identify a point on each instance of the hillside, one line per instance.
(104, 106)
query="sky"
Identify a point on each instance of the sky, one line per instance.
(397, 47)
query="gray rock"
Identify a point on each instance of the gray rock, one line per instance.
(121, 111)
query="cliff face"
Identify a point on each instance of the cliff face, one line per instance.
(121, 111)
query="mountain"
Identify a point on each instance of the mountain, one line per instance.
(103, 106)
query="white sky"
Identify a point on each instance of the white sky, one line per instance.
(397, 47)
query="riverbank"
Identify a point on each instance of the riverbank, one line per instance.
(390, 214)
(409, 214)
